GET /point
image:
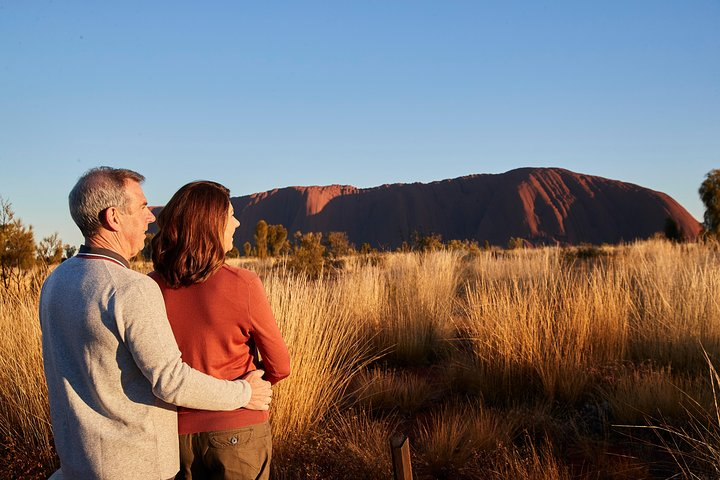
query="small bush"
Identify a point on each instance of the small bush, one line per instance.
(308, 254)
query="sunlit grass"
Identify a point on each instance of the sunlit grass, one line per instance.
(416, 317)
(452, 438)
(24, 413)
(530, 462)
(463, 353)
(324, 357)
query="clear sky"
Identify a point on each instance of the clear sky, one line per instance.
(262, 94)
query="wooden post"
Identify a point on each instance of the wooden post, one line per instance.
(400, 449)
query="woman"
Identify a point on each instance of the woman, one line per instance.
(222, 322)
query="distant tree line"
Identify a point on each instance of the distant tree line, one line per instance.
(313, 252)
(19, 254)
(309, 252)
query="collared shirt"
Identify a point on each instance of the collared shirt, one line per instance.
(102, 254)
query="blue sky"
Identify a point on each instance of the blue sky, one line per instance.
(259, 95)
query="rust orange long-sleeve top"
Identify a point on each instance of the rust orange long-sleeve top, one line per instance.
(220, 326)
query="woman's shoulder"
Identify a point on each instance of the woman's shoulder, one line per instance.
(242, 274)
(158, 279)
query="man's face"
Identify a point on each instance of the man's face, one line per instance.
(135, 218)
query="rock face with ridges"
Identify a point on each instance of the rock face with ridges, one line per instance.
(541, 205)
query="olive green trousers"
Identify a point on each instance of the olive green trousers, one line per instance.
(239, 453)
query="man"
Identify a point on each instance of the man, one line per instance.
(111, 362)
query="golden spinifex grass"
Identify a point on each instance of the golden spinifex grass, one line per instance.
(641, 393)
(420, 294)
(544, 322)
(496, 331)
(452, 437)
(675, 303)
(24, 415)
(382, 390)
(366, 438)
(551, 318)
(530, 463)
(326, 350)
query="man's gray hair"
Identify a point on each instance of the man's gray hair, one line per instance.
(97, 190)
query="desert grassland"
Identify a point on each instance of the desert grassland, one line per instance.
(539, 363)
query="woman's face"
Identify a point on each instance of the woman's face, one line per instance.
(230, 226)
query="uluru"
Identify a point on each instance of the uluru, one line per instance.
(540, 205)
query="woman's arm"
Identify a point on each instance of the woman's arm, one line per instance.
(266, 334)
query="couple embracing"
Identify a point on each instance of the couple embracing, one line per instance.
(121, 349)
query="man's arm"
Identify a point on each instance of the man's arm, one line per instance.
(143, 325)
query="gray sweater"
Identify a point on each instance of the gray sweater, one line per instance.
(113, 370)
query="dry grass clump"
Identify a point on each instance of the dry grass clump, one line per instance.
(640, 395)
(694, 443)
(351, 445)
(363, 291)
(529, 462)
(496, 380)
(421, 288)
(557, 343)
(380, 390)
(326, 350)
(547, 328)
(25, 429)
(366, 439)
(675, 294)
(451, 440)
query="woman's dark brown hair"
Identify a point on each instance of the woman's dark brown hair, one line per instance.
(188, 247)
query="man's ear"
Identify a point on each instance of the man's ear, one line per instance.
(110, 218)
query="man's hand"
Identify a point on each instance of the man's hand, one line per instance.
(261, 391)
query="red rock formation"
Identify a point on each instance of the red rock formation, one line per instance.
(541, 205)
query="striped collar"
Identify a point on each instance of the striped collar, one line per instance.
(102, 254)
